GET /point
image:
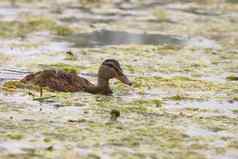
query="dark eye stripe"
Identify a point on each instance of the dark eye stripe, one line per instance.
(115, 68)
(111, 60)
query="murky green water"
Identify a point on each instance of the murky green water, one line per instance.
(107, 37)
(181, 56)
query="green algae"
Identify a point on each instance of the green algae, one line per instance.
(14, 135)
(65, 67)
(161, 138)
(218, 123)
(233, 144)
(235, 98)
(149, 102)
(137, 106)
(161, 14)
(175, 83)
(22, 1)
(232, 78)
(92, 3)
(70, 56)
(180, 98)
(4, 58)
(12, 85)
(235, 111)
(31, 24)
(145, 128)
(137, 129)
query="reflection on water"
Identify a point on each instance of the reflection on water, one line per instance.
(106, 37)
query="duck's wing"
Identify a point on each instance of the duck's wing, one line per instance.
(57, 80)
(46, 78)
(40, 77)
(73, 82)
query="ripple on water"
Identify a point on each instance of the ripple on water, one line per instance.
(23, 52)
(217, 105)
(202, 43)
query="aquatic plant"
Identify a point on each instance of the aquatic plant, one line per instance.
(30, 24)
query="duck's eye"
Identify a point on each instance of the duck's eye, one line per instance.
(115, 68)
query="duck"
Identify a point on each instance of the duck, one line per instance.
(59, 80)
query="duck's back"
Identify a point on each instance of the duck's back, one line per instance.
(57, 80)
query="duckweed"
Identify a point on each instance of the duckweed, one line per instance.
(161, 14)
(235, 98)
(157, 115)
(19, 29)
(175, 82)
(65, 67)
(12, 85)
(177, 97)
(235, 111)
(233, 144)
(232, 78)
(14, 135)
(70, 56)
(4, 58)
(181, 98)
(150, 102)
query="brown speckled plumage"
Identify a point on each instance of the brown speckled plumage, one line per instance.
(71, 82)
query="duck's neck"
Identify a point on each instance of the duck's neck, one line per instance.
(102, 87)
(103, 83)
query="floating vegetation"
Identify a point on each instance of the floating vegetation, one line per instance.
(14, 135)
(178, 98)
(65, 67)
(4, 58)
(235, 98)
(232, 78)
(149, 103)
(179, 106)
(12, 85)
(70, 56)
(31, 24)
(93, 3)
(175, 82)
(232, 1)
(40, 99)
(161, 14)
(114, 114)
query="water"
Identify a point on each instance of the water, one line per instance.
(203, 121)
(108, 37)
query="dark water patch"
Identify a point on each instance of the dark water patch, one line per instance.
(80, 8)
(91, 20)
(232, 1)
(198, 11)
(232, 78)
(110, 19)
(99, 17)
(106, 37)
(162, 21)
(125, 5)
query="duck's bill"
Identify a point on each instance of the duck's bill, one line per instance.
(124, 80)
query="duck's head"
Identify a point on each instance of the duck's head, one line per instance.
(111, 68)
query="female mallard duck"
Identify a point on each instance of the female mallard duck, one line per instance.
(70, 82)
